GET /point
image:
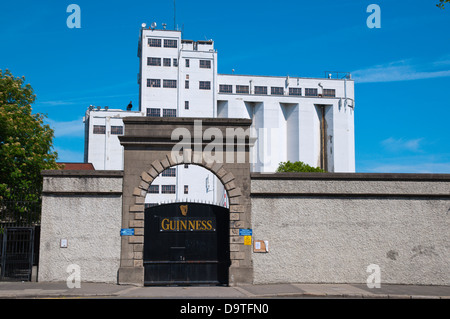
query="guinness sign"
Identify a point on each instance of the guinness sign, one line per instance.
(186, 223)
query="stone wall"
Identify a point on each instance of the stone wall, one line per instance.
(84, 208)
(328, 228)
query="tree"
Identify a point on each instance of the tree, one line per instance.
(442, 3)
(26, 143)
(297, 167)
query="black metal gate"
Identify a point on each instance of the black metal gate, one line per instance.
(16, 253)
(186, 244)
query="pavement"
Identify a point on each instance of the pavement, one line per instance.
(38, 290)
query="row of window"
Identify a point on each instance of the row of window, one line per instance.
(168, 43)
(155, 61)
(274, 90)
(101, 129)
(156, 112)
(156, 83)
(165, 189)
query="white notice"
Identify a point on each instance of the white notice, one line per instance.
(257, 245)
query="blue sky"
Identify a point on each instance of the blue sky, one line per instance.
(401, 70)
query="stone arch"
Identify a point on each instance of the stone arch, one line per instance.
(148, 140)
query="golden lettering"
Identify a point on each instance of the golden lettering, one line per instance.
(176, 224)
(164, 224)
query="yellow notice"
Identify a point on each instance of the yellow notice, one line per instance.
(248, 240)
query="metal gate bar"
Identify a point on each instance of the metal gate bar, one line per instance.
(16, 260)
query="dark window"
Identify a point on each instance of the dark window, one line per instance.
(186, 189)
(204, 85)
(170, 84)
(310, 92)
(169, 112)
(167, 61)
(154, 61)
(260, 89)
(99, 129)
(186, 84)
(186, 105)
(153, 83)
(329, 92)
(169, 172)
(186, 165)
(187, 63)
(225, 88)
(170, 43)
(276, 90)
(295, 91)
(205, 64)
(243, 89)
(153, 189)
(167, 189)
(175, 62)
(153, 112)
(154, 42)
(117, 130)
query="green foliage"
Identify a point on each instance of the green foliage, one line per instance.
(26, 143)
(297, 167)
(442, 3)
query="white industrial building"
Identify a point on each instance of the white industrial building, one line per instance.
(296, 119)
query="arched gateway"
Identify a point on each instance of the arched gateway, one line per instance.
(153, 144)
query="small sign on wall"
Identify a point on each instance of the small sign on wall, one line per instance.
(63, 243)
(127, 232)
(260, 246)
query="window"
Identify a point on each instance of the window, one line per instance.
(169, 112)
(170, 43)
(310, 92)
(204, 85)
(260, 89)
(167, 61)
(186, 189)
(295, 91)
(169, 172)
(175, 62)
(186, 165)
(276, 90)
(243, 89)
(99, 129)
(154, 61)
(186, 84)
(153, 83)
(167, 189)
(170, 84)
(154, 42)
(329, 92)
(153, 189)
(186, 105)
(187, 63)
(205, 64)
(225, 88)
(152, 112)
(117, 130)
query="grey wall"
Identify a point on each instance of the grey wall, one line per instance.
(84, 207)
(327, 228)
